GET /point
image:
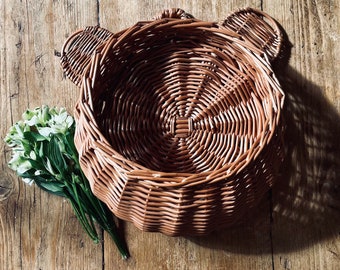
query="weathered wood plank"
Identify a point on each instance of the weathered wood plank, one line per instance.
(246, 247)
(121, 14)
(306, 218)
(38, 231)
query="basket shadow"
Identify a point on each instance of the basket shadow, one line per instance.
(306, 202)
(303, 207)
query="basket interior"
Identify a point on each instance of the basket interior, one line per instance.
(181, 99)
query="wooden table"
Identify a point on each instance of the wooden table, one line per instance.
(297, 226)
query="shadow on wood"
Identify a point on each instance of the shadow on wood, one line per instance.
(303, 207)
(306, 201)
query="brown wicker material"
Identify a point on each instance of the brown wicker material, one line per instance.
(177, 121)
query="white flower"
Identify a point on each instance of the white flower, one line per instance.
(45, 131)
(25, 142)
(60, 121)
(45, 120)
(32, 121)
(38, 116)
(37, 172)
(19, 164)
(28, 181)
(33, 155)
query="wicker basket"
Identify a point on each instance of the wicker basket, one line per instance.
(177, 121)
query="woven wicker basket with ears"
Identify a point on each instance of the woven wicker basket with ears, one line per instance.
(178, 120)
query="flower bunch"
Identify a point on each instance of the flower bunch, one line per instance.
(44, 153)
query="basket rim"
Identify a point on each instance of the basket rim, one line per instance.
(158, 177)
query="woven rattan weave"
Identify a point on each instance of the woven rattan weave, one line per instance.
(178, 121)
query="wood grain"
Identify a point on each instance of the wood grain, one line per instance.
(306, 202)
(38, 231)
(295, 227)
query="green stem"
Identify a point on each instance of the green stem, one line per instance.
(89, 228)
(99, 211)
(89, 203)
(86, 222)
(112, 230)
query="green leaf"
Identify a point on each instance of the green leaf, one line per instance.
(55, 156)
(54, 187)
(34, 137)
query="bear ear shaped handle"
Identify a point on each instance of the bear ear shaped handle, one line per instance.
(78, 49)
(258, 28)
(252, 26)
